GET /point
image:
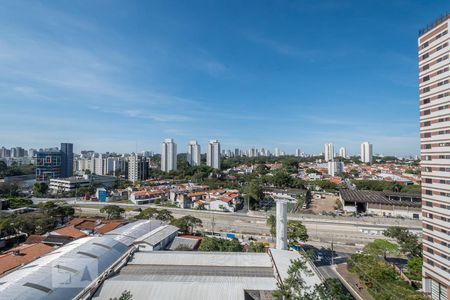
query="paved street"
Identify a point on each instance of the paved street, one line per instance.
(345, 232)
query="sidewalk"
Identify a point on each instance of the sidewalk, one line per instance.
(350, 280)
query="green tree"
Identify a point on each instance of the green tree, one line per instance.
(253, 193)
(147, 213)
(409, 242)
(332, 289)
(112, 211)
(166, 216)
(272, 223)
(257, 247)
(19, 202)
(220, 245)
(294, 285)
(126, 295)
(381, 247)
(296, 232)
(186, 224)
(40, 189)
(282, 180)
(415, 268)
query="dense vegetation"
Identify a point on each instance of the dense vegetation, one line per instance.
(295, 288)
(380, 185)
(378, 276)
(15, 170)
(46, 218)
(221, 245)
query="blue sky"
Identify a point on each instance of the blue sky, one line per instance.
(107, 75)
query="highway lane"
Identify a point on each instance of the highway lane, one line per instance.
(324, 232)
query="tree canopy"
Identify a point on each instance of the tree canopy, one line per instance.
(186, 224)
(220, 245)
(112, 211)
(296, 232)
(381, 247)
(409, 242)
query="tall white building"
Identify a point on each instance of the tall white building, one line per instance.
(193, 153)
(335, 168)
(213, 154)
(343, 152)
(329, 152)
(277, 152)
(168, 156)
(137, 168)
(366, 152)
(298, 152)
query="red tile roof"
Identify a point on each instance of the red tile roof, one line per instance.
(70, 231)
(34, 239)
(105, 228)
(28, 253)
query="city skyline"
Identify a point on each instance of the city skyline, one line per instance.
(80, 75)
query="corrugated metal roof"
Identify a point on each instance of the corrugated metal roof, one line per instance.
(181, 258)
(218, 288)
(183, 242)
(66, 271)
(157, 235)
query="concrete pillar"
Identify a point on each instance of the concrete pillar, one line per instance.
(281, 224)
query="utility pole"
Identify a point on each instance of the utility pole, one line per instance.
(213, 223)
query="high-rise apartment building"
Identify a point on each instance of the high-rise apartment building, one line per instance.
(329, 152)
(343, 152)
(137, 168)
(277, 152)
(213, 154)
(366, 152)
(335, 168)
(168, 155)
(193, 153)
(434, 89)
(66, 159)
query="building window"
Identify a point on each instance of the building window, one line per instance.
(428, 192)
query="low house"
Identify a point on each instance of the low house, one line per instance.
(69, 231)
(144, 196)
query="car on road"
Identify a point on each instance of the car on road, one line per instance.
(319, 256)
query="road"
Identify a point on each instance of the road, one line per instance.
(344, 232)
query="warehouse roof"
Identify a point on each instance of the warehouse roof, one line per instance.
(191, 275)
(389, 198)
(200, 275)
(63, 273)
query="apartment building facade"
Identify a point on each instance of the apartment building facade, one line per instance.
(213, 154)
(168, 155)
(434, 89)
